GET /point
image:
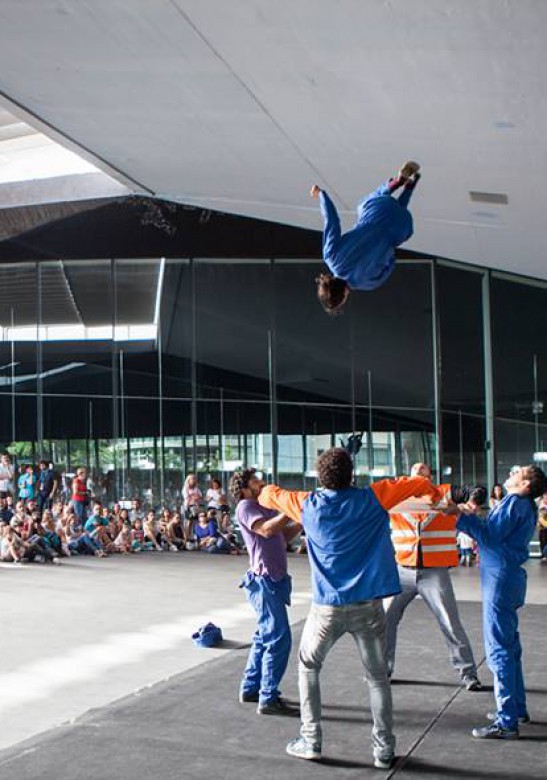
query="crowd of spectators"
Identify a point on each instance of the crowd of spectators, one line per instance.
(42, 519)
(39, 522)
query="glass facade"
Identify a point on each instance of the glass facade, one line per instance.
(145, 370)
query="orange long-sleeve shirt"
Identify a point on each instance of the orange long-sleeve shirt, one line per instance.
(389, 493)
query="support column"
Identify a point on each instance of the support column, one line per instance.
(490, 441)
(437, 372)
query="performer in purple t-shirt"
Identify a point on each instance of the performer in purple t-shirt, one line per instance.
(268, 587)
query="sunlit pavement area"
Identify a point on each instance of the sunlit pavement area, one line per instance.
(100, 679)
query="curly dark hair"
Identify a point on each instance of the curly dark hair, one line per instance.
(537, 481)
(239, 482)
(331, 291)
(334, 469)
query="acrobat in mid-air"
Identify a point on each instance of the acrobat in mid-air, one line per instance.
(364, 257)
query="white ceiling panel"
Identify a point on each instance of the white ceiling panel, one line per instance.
(241, 105)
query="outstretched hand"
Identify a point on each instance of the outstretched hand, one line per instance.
(315, 190)
(466, 509)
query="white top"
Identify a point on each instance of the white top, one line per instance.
(6, 476)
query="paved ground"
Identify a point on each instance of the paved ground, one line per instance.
(95, 631)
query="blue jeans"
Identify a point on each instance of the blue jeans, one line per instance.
(85, 545)
(365, 621)
(503, 593)
(79, 510)
(271, 647)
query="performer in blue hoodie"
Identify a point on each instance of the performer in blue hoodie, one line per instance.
(503, 539)
(364, 257)
(353, 568)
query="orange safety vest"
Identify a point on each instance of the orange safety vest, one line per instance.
(434, 532)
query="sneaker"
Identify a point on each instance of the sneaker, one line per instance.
(383, 763)
(409, 169)
(173, 548)
(278, 707)
(493, 731)
(248, 696)
(301, 748)
(523, 718)
(472, 683)
(56, 561)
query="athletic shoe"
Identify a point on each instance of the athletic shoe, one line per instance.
(408, 169)
(173, 548)
(383, 763)
(472, 683)
(248, 696)
(278, 707)
(523, 719)
(301, 748)
(56, 561)
(493, 731)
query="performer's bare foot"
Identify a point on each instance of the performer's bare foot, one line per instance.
(410, 168)
(315, 190)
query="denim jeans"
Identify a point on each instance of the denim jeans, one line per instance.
(271, 647)
(365, 621)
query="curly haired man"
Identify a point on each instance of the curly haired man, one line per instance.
(268, 586)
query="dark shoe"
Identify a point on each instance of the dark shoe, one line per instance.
(493, 731)
(472, 683)
(278, 707)
(412, 181)
(248, 696)
(523, 718)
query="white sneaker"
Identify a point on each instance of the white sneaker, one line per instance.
(56, 561)
(173, 548)
(383, 763)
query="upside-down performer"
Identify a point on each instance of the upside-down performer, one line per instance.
(364, 257)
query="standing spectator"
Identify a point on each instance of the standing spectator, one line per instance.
(192, 498)
(26, 483)
(496, 495)
(7, 473)
(47, 485)
(215, 497)
(80, 499)
(465, 545)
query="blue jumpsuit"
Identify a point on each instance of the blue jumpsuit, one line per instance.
(365, 256)
(503, 540)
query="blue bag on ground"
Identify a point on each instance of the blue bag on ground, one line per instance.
(207, 636)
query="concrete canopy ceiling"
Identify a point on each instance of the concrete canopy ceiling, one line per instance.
(240, 106)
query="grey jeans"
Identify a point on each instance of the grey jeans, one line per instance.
(365, 621)
(435, 587)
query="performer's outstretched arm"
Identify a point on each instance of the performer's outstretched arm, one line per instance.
(332, 230)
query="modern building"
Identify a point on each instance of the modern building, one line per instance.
(157, 307)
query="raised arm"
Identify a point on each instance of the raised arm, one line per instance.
(493, 529)
(391, 492)
(289, 502)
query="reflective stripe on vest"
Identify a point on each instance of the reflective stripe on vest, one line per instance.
(434, 531)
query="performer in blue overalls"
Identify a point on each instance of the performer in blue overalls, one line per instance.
(364, 257)
(504, 539)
